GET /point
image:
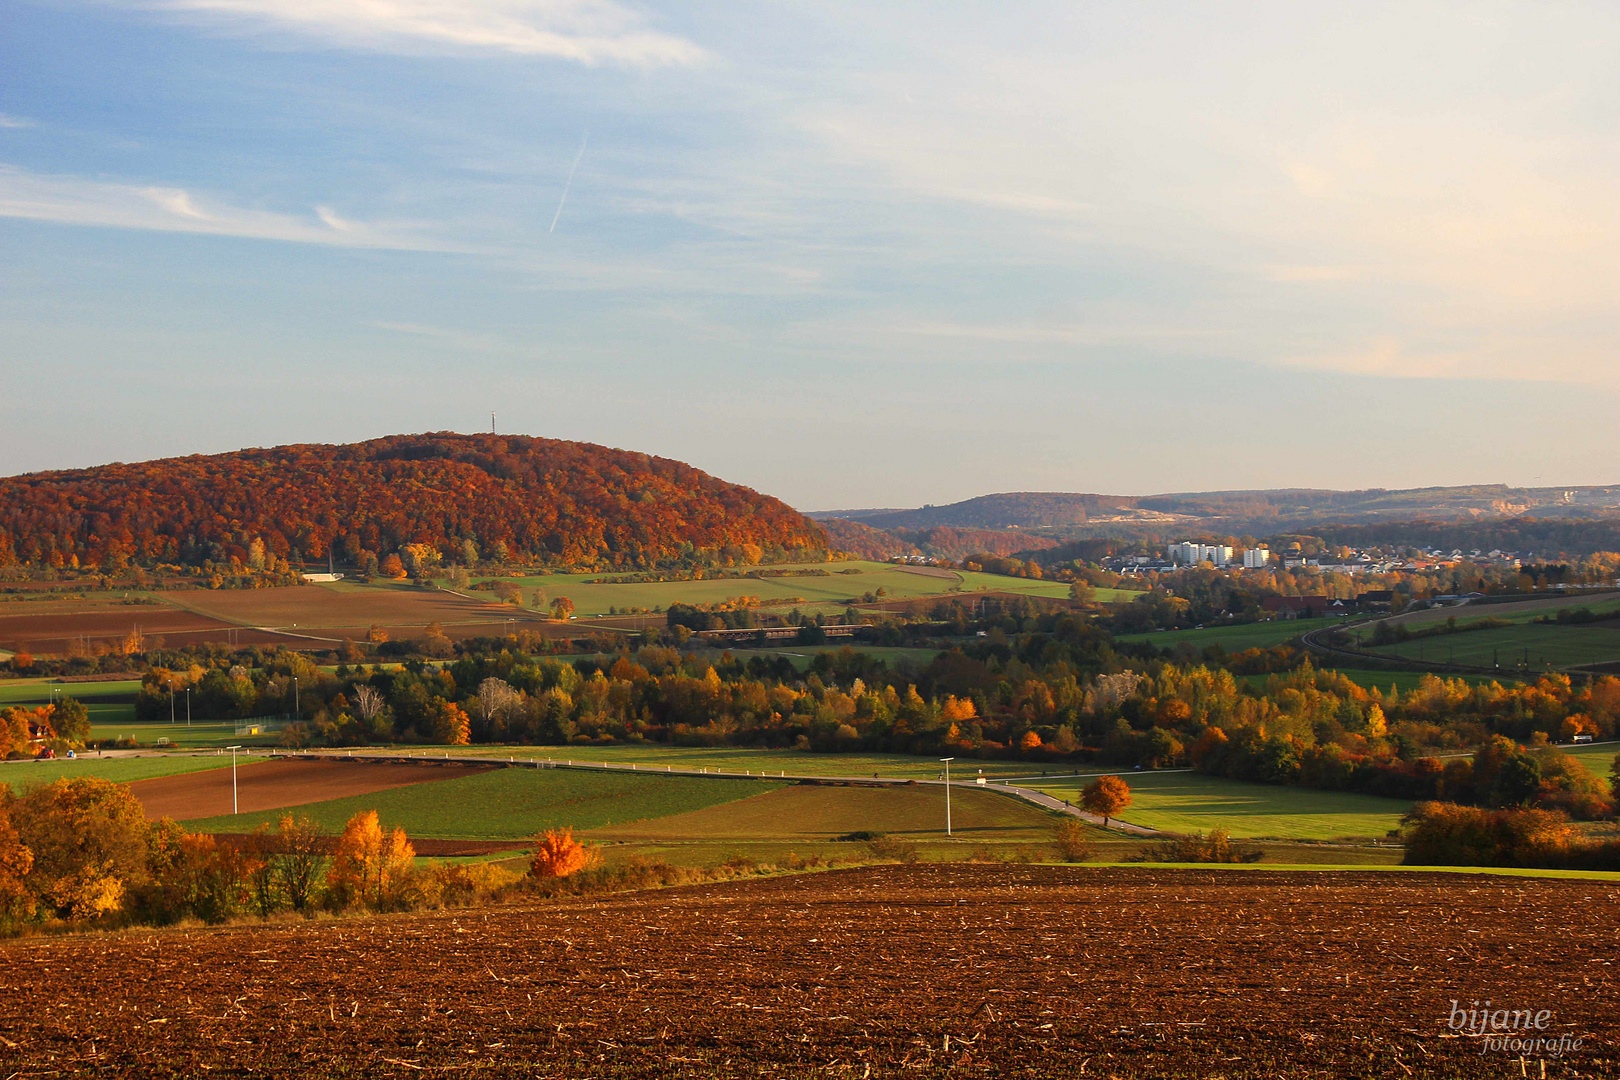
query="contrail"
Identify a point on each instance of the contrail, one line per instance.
(570, 182)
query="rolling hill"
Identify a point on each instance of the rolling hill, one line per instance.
(541, 500)
(1557, 510)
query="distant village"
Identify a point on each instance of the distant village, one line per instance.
(1187, 554)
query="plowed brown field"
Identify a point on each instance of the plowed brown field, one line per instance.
(271, 785)
(898, 971)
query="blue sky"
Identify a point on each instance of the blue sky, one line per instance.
(851, 255)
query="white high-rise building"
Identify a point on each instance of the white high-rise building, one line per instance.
(1219, 554)
(1256, 558)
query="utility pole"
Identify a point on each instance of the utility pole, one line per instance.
(233, 750)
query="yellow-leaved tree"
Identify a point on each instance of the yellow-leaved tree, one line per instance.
(16, 902)
(370, 867)
(88, 837)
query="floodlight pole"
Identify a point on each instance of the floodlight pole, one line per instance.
(188, 706)
(947, 761)
(233, 750)
(171, 706)
(296, 710)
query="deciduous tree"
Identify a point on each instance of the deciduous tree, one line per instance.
(370, 866)
(1107, 796)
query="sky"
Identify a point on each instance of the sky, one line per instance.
(851, 255)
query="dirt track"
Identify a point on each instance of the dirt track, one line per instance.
(271, 785)
(898, 971)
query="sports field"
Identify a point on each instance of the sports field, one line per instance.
(1191, 802)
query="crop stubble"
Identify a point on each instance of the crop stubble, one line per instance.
(906, 971)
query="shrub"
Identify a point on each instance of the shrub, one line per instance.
(559, 855)
(893, 848)
(1073, 843)
(1445, 834)
(457, 884)
(1217, 847)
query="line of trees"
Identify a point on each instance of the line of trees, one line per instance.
(80, 852)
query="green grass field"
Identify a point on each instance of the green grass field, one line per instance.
(1519, 611)
(1597, 757)
(1542, 646)
(38, 691)
(809, 592)
(1236, 638)
(802, 813)
(514, 804)
(769, 762)
(1191, 802)
(121, 770)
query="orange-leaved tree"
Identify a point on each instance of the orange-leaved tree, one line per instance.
(559, 855)
(1106, 795)
(446, 722)
(370, 866)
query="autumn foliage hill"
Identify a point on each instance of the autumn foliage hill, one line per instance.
(544, 500)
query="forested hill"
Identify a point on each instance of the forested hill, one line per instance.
(543, 500)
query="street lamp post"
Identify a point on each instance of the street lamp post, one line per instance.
(188, 706)
(233, 750)
(295, 698)
(947, 761)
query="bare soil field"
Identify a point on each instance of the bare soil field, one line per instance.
(925, 970)
(271, 785)
(49, 631)
(342, 606)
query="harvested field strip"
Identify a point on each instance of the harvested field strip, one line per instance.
(818, 812)
(275, 785)
(514, 804)
(923, 970)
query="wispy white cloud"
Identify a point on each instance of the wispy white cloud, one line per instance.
(7, 121)
(72, 200)
(585, 31)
